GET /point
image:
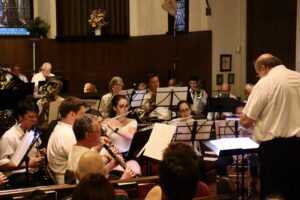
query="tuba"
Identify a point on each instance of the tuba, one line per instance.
(49, 91)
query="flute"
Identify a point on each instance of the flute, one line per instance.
(122, 115)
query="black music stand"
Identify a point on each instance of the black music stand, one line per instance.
(233, 146)
(22, 151)
(193, 130)
(170, 96)
(222, 104)
(137, 98)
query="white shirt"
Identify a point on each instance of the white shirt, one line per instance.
(275, 105)
(75, 155)
(9, 143)
(123, 144)
(38, 77)
(23, 78)
(60, 145)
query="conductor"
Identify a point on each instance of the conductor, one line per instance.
(273, 107)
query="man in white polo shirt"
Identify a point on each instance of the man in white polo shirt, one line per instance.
(273, 107)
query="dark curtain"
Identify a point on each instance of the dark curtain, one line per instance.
(72, 17)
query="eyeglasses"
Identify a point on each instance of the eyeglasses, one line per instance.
(184, 110)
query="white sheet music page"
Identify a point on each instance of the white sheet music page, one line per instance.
(159, 140)
(53, 109)
(233, 143)
(22, 149)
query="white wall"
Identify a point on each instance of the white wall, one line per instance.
(227, 22)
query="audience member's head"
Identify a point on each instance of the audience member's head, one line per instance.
(86, 129)
(179, 172)
(90, 163)
(274, 196)
(152, 82)
(71, 106)
(94, 186)
(172, 82)
(89, 88)
(46, 69)
(116, 84)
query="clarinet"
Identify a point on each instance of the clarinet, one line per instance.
(115, 156)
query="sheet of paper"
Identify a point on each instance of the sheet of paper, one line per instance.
(137, 98)
(127, 93)
(53, 110)
(22, 149)
(163, 97)
(159, 140)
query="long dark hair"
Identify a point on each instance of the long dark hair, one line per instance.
(114, 103)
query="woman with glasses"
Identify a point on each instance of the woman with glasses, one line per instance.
(115, 87)
(185, 115)
(121, 129)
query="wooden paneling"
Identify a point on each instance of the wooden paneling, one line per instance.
(271, 28)
(97, 60)
(73, 15)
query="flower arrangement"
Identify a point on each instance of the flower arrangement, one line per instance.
(97, 18)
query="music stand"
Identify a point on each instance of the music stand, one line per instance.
(24, 148)
(233, 146)
(192, 130)
(221, 104)
(128, 93)
(137, 98)
(170, 96)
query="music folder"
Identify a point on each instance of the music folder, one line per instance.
(161, 136)
(232, 146)
(23, 149)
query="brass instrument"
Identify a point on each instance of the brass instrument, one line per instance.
(198, 94)
(146, 108)
(49, 91)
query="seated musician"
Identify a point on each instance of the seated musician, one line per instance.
(121, 129)
(197, 97)
(115, 87)
(89, 88)
(86, 129)
(224, 93)
(149, 106)
(3, 180)
(185, 114)
(62, 138)
(178, 175)
(26, 112)
(45, 72)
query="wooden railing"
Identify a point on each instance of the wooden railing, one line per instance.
(132, 187)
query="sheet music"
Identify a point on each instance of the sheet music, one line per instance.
(231, 144)
(184, 130)
(137, 98)
(159, 140)
(92, 103)
(22, 149)
(53, 109)
(163, 97)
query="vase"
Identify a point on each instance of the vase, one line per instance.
(97, 31)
